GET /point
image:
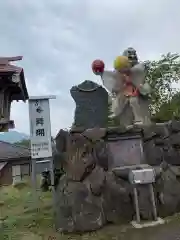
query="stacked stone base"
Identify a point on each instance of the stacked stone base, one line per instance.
(101, 197)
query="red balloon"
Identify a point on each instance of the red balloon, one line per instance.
(98, 66)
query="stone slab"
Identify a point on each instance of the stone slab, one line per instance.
(148, 224)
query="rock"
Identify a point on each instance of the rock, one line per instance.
(153, 153)
(172, 156)
(174, 126)
(79, 159)
(79, 193)
(162, 142)
(91, 203)
(118, 206)
(96, 181)
(168, 189)
(61, 140)
(153, 143)
(77, 208)
(101, 151)
(174, 139)
(94, 134)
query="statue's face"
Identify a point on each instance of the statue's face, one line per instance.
(132, 56)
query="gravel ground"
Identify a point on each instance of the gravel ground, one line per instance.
(169, 231)
(24, 223)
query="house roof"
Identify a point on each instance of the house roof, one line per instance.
(10, 151)
(2, 165)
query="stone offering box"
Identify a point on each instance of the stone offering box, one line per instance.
(142, 176)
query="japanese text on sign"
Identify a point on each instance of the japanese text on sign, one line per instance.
(40, 128)
(39, 147)
(39, 120)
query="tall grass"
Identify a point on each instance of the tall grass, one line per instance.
(26, 222)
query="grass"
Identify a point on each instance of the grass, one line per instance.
(25, 222)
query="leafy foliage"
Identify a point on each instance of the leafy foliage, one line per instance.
(24, 142)
(169, 110)
(161, 74)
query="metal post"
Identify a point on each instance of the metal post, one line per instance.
(52, 183)
(41, 142)
(153, 201)
(34, 184)
(136, 204)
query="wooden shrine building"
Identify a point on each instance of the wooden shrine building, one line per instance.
(12, 87)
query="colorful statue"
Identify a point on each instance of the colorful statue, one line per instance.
(130, 91)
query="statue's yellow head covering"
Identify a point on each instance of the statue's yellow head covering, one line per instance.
(121, 62)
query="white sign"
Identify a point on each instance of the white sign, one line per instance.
(40, 127)
(142, 176)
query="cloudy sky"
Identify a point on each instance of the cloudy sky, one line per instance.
(60, 38)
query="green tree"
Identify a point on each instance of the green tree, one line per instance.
(161, 74)
(169, 110)
(24, 142)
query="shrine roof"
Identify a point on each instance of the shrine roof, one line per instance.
(7, 68)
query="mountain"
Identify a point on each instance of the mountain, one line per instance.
(13, 136)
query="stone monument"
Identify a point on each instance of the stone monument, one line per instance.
(91, 105)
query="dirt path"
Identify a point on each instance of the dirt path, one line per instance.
(170, 231)
(24, 223)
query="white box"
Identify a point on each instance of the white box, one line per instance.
(142, 176)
